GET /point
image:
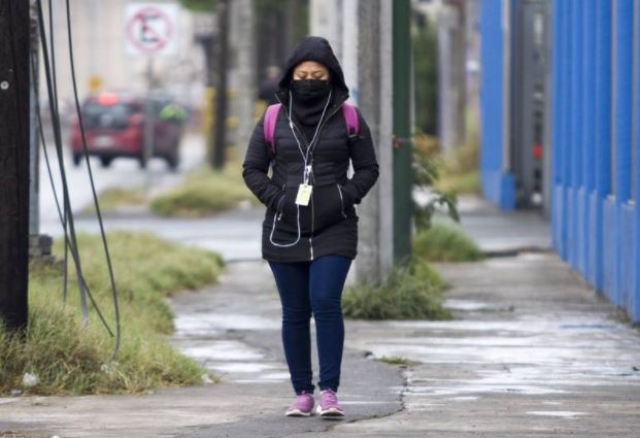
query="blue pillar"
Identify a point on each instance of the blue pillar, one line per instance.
(623, 130)
(558, 121)
(564, 158)
(491, 93)
(603, 263)
(576, 128)
(498, 185)
(581, 141)
(588, 163)
(634, 309)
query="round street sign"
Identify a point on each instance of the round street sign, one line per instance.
(150, 29)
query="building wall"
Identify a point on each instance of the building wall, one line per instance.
(595, 157)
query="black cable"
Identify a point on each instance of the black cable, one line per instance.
(70, 243)
(53, 109)
(114, 292)
(55, 195)
(44, 144)
(51, 48)
(58, 142)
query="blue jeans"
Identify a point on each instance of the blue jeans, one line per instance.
(306, 288)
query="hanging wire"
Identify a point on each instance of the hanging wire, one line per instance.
(55, 118)
(54, 91)
(114, 293)
(67, 216)
(57, 200)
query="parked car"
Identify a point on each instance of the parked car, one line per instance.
(115, 125)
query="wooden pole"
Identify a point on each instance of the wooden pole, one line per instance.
(14, 162)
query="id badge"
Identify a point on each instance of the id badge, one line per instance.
(304, 195)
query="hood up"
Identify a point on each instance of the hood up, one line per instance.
(313, 48)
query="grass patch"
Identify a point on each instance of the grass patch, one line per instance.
(115, 197)
(398, 360)
(459, 184)
(410, 292)
(459, 167)
(204, 192)
(69, 357)
(445, 243)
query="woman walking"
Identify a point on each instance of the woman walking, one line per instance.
(310, 231)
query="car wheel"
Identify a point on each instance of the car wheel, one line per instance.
(142, 161)
(106, 161)
(76, 159)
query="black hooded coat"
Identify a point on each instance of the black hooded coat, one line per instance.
(329, 224)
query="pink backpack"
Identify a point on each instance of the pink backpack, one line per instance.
(270, 117)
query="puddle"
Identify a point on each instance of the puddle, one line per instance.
(479, 388)
(275, 376)
(210, 323)
(221, 350)
(254, 381)
(467, 305)
(465, 398)
(561, 414)
(242, 367)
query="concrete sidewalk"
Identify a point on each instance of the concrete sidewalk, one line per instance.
(532, 352)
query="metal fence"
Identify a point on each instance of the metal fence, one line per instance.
(593, 119)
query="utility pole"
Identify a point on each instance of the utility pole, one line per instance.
(219, 154)
(14, 162)
(246, 71)
(402, 172)
(373, 90)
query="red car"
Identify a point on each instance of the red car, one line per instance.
(115, 126)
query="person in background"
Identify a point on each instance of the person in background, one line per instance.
(310, 231)
(269, 86)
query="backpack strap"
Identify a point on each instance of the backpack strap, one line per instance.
(270, 118)
(351, 117)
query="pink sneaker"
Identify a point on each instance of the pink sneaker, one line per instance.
(302, 406)
(329, 406)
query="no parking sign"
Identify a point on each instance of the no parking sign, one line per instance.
(151, 29)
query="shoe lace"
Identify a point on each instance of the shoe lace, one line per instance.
(329, 397)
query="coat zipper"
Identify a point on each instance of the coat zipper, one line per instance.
(341, 202)
(313, 214)
(312, 227)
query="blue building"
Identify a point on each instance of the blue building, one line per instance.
(560, 104)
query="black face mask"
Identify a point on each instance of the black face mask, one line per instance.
(310, 90)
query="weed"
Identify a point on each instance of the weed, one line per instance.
(398, 360)
(410, 292)
(444, 243)
(116, 197)
(466, 183)
(204, 192)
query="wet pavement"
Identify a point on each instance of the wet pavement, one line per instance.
(532, 352)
